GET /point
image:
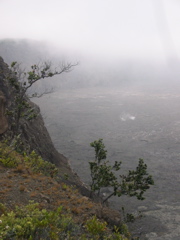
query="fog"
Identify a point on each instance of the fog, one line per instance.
(114, 41)
(125, 88)
(125, 29)
(137, 42)
(134, 124)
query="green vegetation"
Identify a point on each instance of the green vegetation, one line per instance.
(94, 226)
(30, 222)
(34, 221)
(38, 165)
(98, 229)
(135, 183)
(33, 161)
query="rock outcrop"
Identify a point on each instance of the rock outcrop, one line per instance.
(3, 119)
(36, 137)
(3, 95)
(33, 133)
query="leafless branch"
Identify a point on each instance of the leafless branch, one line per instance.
(38, 95)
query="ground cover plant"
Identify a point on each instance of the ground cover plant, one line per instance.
(30, 222)
(33, 161)
(45, 217)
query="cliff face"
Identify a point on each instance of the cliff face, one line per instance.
(3, 120)
(33, 132)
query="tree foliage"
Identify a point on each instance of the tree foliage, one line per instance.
(21, 81)
(135, 183)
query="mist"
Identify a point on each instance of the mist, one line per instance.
(125, 89)
(115, 43)
(102, 29)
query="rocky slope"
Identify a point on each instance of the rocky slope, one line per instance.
(19, 184)
(33, 132)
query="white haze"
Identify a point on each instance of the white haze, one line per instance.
(118, 28)
(118, 40)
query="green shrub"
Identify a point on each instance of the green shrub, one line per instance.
(29, 222)
(38, 165)
(10, 158)
(135, 183)
(95, 227)
(98, 230)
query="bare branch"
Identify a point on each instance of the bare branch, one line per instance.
(38, 95)
(44, 70)
(21, 81)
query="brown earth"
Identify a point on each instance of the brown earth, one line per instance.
(20, 185)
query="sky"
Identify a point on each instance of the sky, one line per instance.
(137, 29)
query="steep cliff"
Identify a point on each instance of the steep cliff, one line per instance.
(20, 183)
(3, 119)
(33, 132)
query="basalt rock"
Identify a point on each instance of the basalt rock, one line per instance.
(33, 132)
(3, 96)
(3, 119)
(36, 138)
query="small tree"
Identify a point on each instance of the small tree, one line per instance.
(135, 183)
(101, 172)
(21, 81)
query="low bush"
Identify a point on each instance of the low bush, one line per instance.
(10, 158)
(32, 223)
(29, 222)
(38, 165)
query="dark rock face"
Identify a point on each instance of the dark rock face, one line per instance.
(3, 96)
(33, 132)
(36, 137)
(3, 120)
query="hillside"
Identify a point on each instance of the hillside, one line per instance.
(48, 181)
(22, 184)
